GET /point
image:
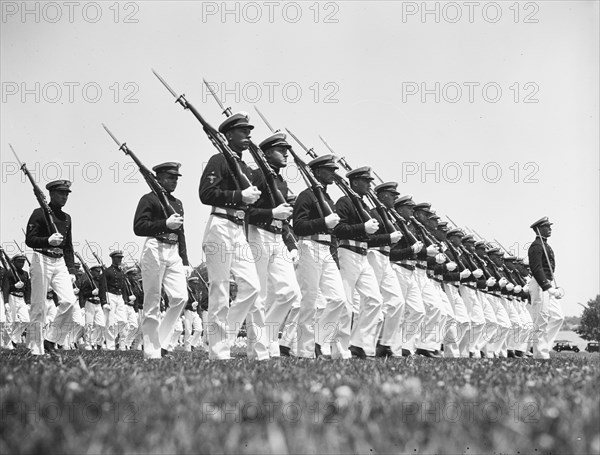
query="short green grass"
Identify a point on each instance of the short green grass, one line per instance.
(115, 402)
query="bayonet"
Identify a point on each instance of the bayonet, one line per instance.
(264, 119)
(226, 110)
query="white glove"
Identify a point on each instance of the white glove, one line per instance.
(371, 226)
(95, 292)
(416, 247)
(450, 266)
(503, 281)
(194, 306)
(466, 273)
(518, 289)
(76, 291)
(250, 195)
(526, 289)
(55, 239)
(174, 222)
(395, 236)
(19, 284)
(491, 282)
(332, 220)
(107, 307)
(73, 278)
(560, 293)
(477, 273)
(553, 292)
(510, 287)
(432, 250)
(132, 298)
(282, 211)
(188, 270)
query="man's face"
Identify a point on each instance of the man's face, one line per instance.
(96, 273)
(386, 198)
(470, 246)
(325, 175)
(455, 240)
(277, 157)
(497, 260)
(168, 181)
(545, 231)
(19, 263)
(59, 197)
(116, 260)
(239, 138)
(405, 211)
(361, 186)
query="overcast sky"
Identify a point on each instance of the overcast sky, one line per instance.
(487, 110)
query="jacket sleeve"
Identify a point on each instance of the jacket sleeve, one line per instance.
(210, 184)
(303, 225)
(346, 211)
(536, 254)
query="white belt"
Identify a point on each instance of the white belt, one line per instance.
(318, 238)
(355, 243)
(239, 214)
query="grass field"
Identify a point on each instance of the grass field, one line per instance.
(114, 402)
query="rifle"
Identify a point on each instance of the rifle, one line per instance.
(217, 139)
(39, 195)
(97, 257)
(342, 185)
(259, 158)
(23, 253)
(156, 187)
(87, 270)
(8, 265)
(311, 182)
(426, 237)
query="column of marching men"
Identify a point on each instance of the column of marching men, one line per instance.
(314, 278)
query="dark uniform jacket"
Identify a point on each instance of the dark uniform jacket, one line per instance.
(217, 185)
(38, 233)
(260, 214)
(307, 217)
(150, 221)
(86, 291)
(542, 272)
(8, 286)
(114, 281)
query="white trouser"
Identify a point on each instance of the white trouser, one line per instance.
(491, 327)
(116, 320)
(78, 326)
(497, 344)
(49, 272)
(177, 331)
(5, 341)
(358, 275)
(19, 312)
(289, 331)
(527, 323)
(547, 318)
(227, 251)
(95, 321)
(458, 326)
(516, 330)
(435, 313)
(317, 271)
(191, 322)
(279, 288)
(414, 312)
(132, 326)
(393, 300)
(161, 267)
(472, 340)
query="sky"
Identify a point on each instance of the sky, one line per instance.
(487, 110)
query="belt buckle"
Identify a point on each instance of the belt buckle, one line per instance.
(240, 214)
(277, 223)
(172, 237)
(54, 250)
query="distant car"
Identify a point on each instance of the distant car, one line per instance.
(592, 346)
(564, 345)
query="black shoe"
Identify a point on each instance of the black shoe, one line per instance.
(357, 352)
(166, 354)
(483, 355)
(284, 351)
(510, 353)
(406, 353)
(383, 351)
(426, 353)
(471, 355)
(14, 345)
(519, 353)
(319, 353)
